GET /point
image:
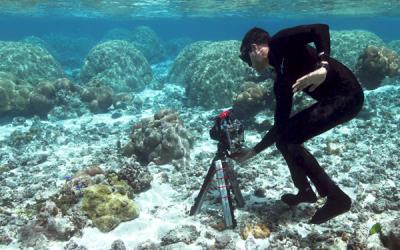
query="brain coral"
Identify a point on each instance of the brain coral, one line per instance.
(161, 139)
(28, 62)
(117, 64)
(374, 64)
(346, 46)
(210, 72)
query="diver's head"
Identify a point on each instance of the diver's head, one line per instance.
(254, 49)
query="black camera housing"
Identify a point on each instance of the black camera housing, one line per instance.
(229, 132)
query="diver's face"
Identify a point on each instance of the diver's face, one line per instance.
(259, 57)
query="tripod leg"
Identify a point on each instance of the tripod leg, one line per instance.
(203, 191)
(235, 185)
(226, 199)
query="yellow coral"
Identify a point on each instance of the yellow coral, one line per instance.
(259, 231)
(107, 209)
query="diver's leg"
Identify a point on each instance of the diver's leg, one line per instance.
(308, 123)
(305, 194)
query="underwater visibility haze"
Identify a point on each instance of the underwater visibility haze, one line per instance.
(117, 129)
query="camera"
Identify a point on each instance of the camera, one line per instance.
(228, 131)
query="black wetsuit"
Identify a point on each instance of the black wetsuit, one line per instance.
(340, 98)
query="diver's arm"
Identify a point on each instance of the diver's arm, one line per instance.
(284, 100)
(304, 34)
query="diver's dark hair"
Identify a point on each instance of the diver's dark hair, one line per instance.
(256, 36)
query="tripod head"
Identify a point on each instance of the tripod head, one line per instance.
(229, 133)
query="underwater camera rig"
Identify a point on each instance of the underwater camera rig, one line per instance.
(229, 133)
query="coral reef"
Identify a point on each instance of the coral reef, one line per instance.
(135, 175)
(69, 51)
(49, 225)
(19, 98)
(187, 234)
(13, 98)
(161, 139)
(392, 239)
(43, 99)
(210, 72)
(395, 46)
(259, 231)
(98, 98)
(118, 34)
(346, 46)
(374, 64)
(180, 73)
(106, 208)
(37, 41)
(106, 198)
(68, 103)
(251, 99)
(174, 46)
(143, 38)
(71, 192)
(47, 166)
(117, 64)
(147, 41)
(28, 62)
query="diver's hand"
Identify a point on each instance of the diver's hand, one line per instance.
(244, 155)
(313, 79)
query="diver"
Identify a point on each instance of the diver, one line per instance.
(302, 67)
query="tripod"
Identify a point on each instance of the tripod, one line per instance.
(226, 183)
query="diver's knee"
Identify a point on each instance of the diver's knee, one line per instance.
(281, 146)
(281, 143)
(285, 147)
(293, 147)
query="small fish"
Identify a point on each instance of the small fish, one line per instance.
(67, 177)
(79, 187)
